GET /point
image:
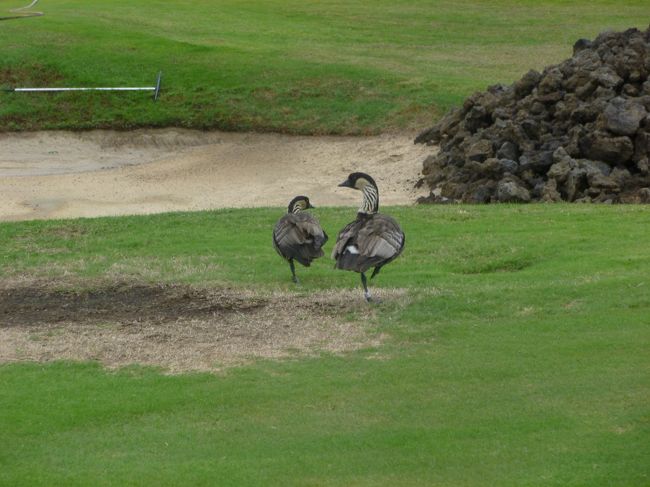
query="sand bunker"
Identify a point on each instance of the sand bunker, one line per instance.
(101, 173)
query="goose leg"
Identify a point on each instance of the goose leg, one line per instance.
(293, 272)
(366, 293)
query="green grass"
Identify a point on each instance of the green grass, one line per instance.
(288, 66)
(521, 359)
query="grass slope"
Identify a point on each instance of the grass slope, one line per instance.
(521, 360)
(289, 66)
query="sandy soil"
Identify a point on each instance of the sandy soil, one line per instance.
(100, 173)
(177, 327)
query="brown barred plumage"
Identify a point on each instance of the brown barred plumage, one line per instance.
(372, 240)
(298, 235)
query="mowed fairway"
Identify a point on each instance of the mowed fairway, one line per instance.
(515, 353)
(288, 66)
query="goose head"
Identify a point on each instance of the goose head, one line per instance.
(358, 180)
(364, 183)
(299, 203)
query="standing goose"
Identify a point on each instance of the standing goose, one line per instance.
(372, 240)
(298, 235)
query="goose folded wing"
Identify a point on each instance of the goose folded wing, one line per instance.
(310, 230)
(346, 237)
(381, 239)
(299, 238)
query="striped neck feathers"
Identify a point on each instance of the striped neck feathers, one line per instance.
(370, 202)
(297, 208)
(298, 204)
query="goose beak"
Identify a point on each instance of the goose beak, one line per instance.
(345, 184)
(311, 206)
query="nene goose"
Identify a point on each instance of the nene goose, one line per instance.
(299, 236)
(372, 240)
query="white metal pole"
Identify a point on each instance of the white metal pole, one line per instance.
(134, 88)
(155, 89)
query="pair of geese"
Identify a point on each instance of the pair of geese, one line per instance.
(372, 240)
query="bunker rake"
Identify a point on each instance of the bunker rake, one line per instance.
(155, 89)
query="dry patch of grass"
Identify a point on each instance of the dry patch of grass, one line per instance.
(177, 327)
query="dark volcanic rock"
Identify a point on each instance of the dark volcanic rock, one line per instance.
(526, 84)
(508, 150)
(623, 116)
(600, 146)
(577, 131)
(480, 151)
(510, 190)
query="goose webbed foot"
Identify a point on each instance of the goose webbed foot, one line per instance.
(366, 293)
(371, 300)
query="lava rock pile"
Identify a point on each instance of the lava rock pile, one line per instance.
(578, 131)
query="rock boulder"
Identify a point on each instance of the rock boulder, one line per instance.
(577, 131)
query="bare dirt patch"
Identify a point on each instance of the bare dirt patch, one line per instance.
(100, 173)
(177, 327)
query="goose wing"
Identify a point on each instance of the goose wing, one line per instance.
(367, 242)
(346, 238)
(381, 238)
(299, 236)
